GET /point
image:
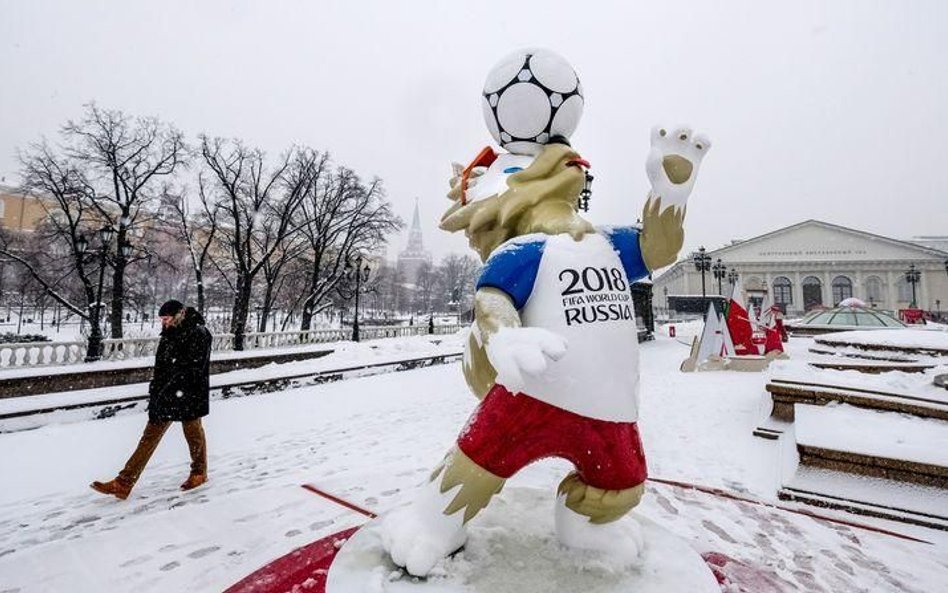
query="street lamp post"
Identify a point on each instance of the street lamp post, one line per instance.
(732, 277)
(912, 276)
(455, 305)
(720, 271)
(354, 268)
(94, 350)
(702, 264)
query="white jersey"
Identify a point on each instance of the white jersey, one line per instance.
(581, 291)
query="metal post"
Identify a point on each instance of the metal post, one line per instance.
(362, 275)
(912, 276)
(719, 270)
(702, 263)
(94, 350)
(355, 321)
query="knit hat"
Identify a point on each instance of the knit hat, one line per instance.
(170, 308)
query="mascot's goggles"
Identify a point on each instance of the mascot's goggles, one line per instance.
(494, 180)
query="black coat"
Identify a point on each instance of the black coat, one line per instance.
(180, 386)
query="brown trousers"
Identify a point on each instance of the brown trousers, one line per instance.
(193, 433)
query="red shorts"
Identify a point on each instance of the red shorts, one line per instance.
(508, 432)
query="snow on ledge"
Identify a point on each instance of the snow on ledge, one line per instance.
(903, 338)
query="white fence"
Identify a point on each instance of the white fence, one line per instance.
(36, 354)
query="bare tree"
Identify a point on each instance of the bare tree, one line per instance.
(424, 287)
(257, 213)
(343, 216)
(457, 275)
(390, 288)
(198, 230)
(126, 163)
(55, 256)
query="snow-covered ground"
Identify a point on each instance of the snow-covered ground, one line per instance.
(372, 440)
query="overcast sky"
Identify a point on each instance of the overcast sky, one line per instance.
(817, 109)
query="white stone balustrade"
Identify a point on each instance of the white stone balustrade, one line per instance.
(31, 354)
(38, 354)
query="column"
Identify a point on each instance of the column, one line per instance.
(891, 294)
(798, 291)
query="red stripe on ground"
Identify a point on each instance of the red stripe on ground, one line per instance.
(339, 501)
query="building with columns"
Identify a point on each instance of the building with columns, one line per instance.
(815, 263)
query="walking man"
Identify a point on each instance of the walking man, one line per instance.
(179, 392)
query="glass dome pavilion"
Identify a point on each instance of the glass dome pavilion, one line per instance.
(850, 314)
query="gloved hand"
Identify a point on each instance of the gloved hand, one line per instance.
(673, 162)
(514, 352)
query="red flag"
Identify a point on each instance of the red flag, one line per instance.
(773, 343)
(738, 323)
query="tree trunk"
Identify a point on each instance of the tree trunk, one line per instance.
(199, 279)
(118, 296)
(306, 316)
(238, 321)
(265, 312)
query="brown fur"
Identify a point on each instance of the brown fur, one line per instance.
(600, 506)
(477, 484)
(663, 233)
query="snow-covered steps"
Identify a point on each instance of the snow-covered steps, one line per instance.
(787, 394)
(873, 443)
(874, 367)
(851, 352)
(864, 495)
(901, 341)
(772, 429)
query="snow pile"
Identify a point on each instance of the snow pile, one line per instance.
(511, 548)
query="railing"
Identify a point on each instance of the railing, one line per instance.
(31, 354)
(128, 348)
(259, 341)
(37, 354)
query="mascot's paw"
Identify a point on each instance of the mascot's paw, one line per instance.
(419, 535)
(514, 352)
(616, 545)
(672, 164)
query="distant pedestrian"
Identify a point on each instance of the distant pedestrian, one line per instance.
(179, 392)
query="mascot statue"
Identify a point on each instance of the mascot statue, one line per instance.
(553, 352)
(552, 356)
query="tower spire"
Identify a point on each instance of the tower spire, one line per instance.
(415, 219)
(415, 243)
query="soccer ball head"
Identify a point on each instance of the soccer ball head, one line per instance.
(531, 96)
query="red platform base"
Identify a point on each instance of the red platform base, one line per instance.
(303, 569)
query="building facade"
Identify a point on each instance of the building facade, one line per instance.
(814, 263)
(414, 255)
(20, 211)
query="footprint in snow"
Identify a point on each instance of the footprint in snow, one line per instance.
(203, 552)
(320, 524)
(135, 561)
